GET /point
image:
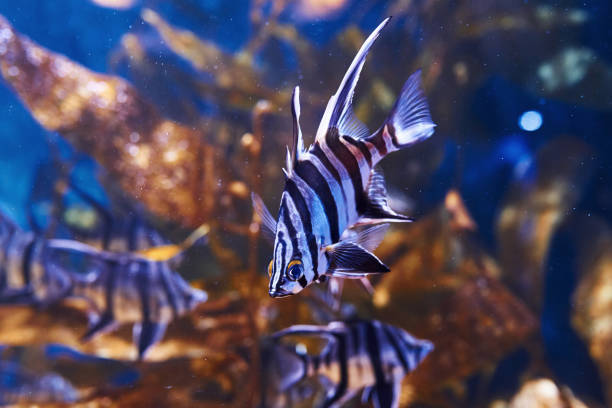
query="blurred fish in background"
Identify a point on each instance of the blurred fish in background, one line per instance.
(128, 125)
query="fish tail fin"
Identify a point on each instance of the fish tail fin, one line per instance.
(409, 121)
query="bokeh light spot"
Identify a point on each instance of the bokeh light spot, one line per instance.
(530, 121)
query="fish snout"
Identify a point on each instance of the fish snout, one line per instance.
(278, 293)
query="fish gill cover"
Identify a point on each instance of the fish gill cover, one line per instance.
(133, 267)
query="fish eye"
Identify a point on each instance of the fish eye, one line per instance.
(295, 270)
(270, 268)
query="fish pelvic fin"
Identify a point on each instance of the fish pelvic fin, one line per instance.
(409, 121)
(146, 334)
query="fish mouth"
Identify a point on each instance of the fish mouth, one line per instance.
(279, 293)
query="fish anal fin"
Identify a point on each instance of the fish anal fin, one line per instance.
(350, 260)
(378, 210)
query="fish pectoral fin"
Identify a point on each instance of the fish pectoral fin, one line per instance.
(378, 210)
(350, 260)
(369, 237)
(267, 221)
(147, 334)
(385, 394)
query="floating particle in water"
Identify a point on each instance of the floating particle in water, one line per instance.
(530, 121)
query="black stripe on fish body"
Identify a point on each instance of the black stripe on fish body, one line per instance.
(132, 244)
(292, 231)
(26, 266)
(395, 343)
(357, 347)
(303, 282)
(318, 152)
(168, 290)
(109, 287)
(374, 351)
(351, 165)
(316, 363)
(283, 249)
(302, 208)
(378, 140)
(310, 174)
(2, 277)
(391, 131)
(143, 282)
(363, 148)
(342, 359)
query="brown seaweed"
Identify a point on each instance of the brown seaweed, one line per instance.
(533, 210)
(451, 288)
(543, 393)
(592, 314)
(155, 160)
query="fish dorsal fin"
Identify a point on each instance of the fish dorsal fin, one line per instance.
(340, 102)
(297, 148)
(163, 253)
(349, 125)
(378, 210)
(306, 330)
(268, 222)
(350, 260)
(367, 237)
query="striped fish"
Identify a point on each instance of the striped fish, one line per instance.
(119, 288)
(360, 355)
(335, 185)
(125, 289)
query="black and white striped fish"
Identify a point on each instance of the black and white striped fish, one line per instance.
(126, 288)
(359, 355)
(119, 288)
(335, 185)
